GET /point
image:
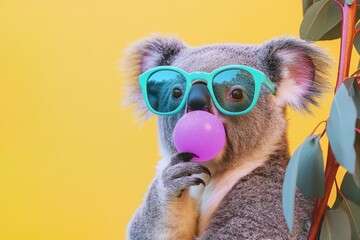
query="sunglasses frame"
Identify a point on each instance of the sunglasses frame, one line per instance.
(259, 78)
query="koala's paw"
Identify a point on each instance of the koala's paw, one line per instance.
(179, 174)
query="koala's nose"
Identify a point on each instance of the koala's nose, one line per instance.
(199, 97)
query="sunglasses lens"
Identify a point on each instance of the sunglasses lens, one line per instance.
(165, 90)
(234, 89)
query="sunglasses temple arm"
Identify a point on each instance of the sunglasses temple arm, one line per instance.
(270, 85)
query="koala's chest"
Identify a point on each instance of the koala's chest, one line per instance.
(212, 195)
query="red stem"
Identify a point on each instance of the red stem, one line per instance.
(312, 133)
(347, 38)
(357, 31)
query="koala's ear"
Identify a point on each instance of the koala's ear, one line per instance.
(298, 68)
(142, 55)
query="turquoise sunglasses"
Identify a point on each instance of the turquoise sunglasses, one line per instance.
(234, 89)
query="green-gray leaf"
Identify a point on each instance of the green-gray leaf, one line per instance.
(337, 202)
(357, 40)
(356, 175)
(341, 128)
(319, 19)
(306, 5)
(351, 85)
(335, 226)
(310, 178)
(334, 33)
(305, 158)
(353, 89)
(289, 189)
(349, 2)
(353, 212)
(349, 189)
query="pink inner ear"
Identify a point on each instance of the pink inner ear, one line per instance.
(300, 68)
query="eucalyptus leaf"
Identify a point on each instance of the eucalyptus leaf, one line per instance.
(356, 175)
(319, 19)
(349, 2)
(306, 5)
(335, 226)
(338, 201)
(353, 212)
(357, 40)
(334, 33)
(349, 189)
(306, 168)
(351, 85)
(289, 189)
(341, 128)
(354, 93)
(310, 178)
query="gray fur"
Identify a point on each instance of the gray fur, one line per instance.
(255, 204)
(252, 208)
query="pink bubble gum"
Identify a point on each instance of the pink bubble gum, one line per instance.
(201, 133)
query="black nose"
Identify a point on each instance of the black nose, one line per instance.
(199, 97)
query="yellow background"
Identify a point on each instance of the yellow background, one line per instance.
(74, 164)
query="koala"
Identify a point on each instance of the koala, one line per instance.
(237, 194)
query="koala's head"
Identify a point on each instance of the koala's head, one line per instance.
(296, 67)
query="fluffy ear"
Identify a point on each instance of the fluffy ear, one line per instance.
(298, 68)
(142, 55)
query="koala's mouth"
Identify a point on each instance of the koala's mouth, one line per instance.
(200, 132)
(212, 110)
(206, 109)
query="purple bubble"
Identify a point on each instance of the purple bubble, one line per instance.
(201, 133)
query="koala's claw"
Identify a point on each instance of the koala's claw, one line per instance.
(200, 181)
(189, 181)
(183, 183)
(176, 178)
(182, 157)
(187, 169)
(206, 170)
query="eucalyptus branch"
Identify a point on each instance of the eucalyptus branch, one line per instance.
(356, 32)
(347, 39)
(323, 132)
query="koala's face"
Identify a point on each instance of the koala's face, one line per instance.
(295, 66)
(244, 132)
